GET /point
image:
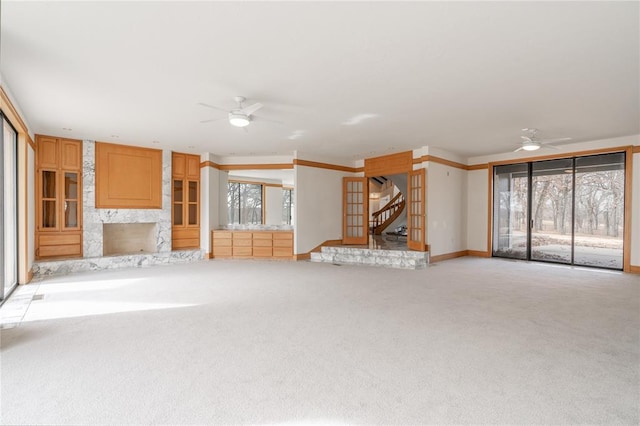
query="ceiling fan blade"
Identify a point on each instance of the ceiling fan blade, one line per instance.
(212, 106)
(519, 149)
(259, 118)
(251, 108)
(556, 140)
(213, 119)
(526, 138)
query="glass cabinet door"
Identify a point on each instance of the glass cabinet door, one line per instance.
(177, 202)
(49, 200)
(192, 213)
(71, 200)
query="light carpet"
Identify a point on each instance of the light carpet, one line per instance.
(468, 340)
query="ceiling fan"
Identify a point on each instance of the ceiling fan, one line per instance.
(532, 143)
(240, 116)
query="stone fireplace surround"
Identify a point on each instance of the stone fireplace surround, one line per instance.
(94, 220)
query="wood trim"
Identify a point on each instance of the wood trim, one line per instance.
(29, 275)
(358, 169)
(490, 208)
(318, 248)
(478, 253)
(628, 178)
(447, 256)
(478, 166)
(561, 155)
(12, 113)
(274, 185)
(211, 164)
(30, 142)
(390, 164)
(307, 163)
(228, 167)
(208, 255)
(634, 269)
(636, 149)
(434, 159)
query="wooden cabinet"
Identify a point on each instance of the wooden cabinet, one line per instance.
(252, 244)
(185, 198)
(58, 197)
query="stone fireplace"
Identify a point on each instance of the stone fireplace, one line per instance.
(128, 238)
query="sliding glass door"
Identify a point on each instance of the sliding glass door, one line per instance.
(567, 211)
(8, 210)
(510, 211)
(551, 210)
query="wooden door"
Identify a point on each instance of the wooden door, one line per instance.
(355, 214)
(416, 214)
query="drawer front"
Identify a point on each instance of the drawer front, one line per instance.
(241, 235)
(222, 242)
(241, 243)
(283, 236)
(262, 252)
(242, 251)
(283, 243)
(221, 234)
(186, 243)
(60, 239)
(262, 243)
(222, 252)
(262, 235)
(63, 250)
(180, 234)
(282, 252)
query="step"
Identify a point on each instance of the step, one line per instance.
(401, 259)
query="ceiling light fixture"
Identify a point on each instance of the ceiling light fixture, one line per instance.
(239, 120)
(530, 146)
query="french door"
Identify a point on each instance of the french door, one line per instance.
(355, 204)
(567, 211)
(416, 214)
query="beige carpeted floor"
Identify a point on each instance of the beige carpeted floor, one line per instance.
(226, 342)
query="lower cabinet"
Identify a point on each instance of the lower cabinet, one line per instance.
(252, 244)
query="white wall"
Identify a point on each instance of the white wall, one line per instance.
(273, 205)
(446, 209)
(318, 206)
(209, 200)
(223, 190)
(477, 209)
(635, 212)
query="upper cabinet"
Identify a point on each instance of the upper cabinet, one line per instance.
(58, 197)
(185, 197)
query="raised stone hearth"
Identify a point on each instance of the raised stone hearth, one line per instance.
(401, 259)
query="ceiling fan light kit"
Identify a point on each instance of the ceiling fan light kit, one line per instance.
(531, 147)
(239, 120)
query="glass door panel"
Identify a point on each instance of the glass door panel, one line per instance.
(510, 211)
(552, 210)
(177, 202)
(49, 199)
(599, 225)
(71, 200)
(193, 203)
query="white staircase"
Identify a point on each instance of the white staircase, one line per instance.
(401, 259)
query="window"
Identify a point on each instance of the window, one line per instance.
(244, 202)
(287, 206)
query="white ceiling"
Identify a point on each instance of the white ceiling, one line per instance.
(464, 77)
